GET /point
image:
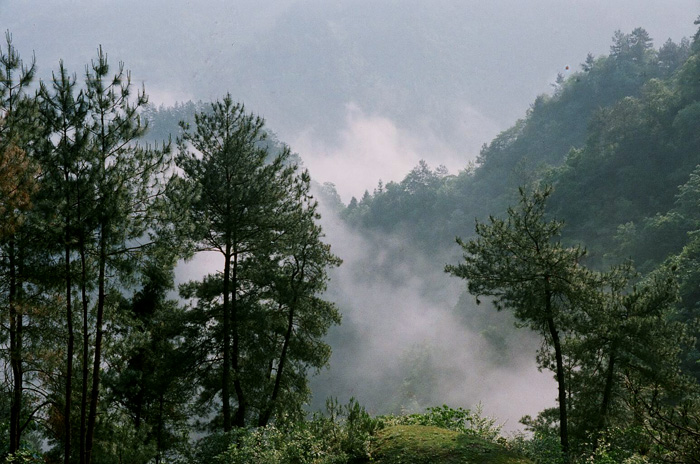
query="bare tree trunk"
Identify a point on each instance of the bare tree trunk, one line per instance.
(239, 420)
(86, 348)
(563, 420)
(607, 392)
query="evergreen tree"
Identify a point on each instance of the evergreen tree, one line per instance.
(257, 325)
(17, 184)
(631, 335)
(149, 380)
(519, 262)
(63, 158)
(125, 181)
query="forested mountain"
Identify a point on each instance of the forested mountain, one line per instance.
(586, 101)
(618, 142)
(103, 364)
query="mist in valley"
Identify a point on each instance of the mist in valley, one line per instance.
(363, 91)
(404, 345)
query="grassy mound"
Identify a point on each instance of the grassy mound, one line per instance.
(418, 444)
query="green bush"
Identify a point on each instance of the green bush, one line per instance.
(465, 421)
(341, 435)
(543, 447)
(23, 456)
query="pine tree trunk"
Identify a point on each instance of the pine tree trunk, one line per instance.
(561, 382)
(607, 392)
(69, 352)
(159, 429)
(239, 420)
(265, 416)
(226, 371)
(95, 390)
(267, 413)
(15, 353)
(563, 420)
(86, 348)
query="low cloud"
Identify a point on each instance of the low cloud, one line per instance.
(400, 331)
(372, 147)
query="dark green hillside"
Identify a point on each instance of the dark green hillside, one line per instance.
(637, 154)
(626, 102)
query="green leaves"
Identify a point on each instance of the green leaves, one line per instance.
(245, 199)
(512, 259)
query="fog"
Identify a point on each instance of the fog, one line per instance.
(363, 90)
(443, 76)
(399, 323)
(370, 147)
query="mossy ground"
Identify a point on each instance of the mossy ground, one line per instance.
(417, 444)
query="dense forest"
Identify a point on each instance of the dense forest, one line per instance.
(587, 212)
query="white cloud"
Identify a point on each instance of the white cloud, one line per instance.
(395, 302)
(368, 148)
(159, 95)
(373, 147)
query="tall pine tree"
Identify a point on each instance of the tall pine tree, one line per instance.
(251, 207)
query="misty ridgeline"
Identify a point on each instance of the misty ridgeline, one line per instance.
(173, 281)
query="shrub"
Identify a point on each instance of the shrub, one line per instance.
(340, 436)
(23, 456)
(465, 421)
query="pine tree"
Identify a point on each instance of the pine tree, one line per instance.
(63, 157)
(520, 263)
(125, 180)
(17, 185)
(250, 206)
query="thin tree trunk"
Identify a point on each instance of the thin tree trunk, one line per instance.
(15, 353)
(94, 394)
(86, 348)
(561, 382)
(226, 371)
(607, 391)
(159, 429)
(563, 420)
(102, 263)
(69, 349)
(267, 413)
(265, 416)
(239, 420)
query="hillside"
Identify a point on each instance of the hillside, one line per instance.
(419, 444)
(587, 111)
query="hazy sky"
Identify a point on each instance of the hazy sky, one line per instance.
(362, 89)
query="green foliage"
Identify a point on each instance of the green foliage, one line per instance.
(347, 434)
(465, 421)
(520, 262)
(270, 445)
(341, 435)
(350, 426)
(24, 456)
(256, 328)
(617, 139)
(421, 444)
(543, 447)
